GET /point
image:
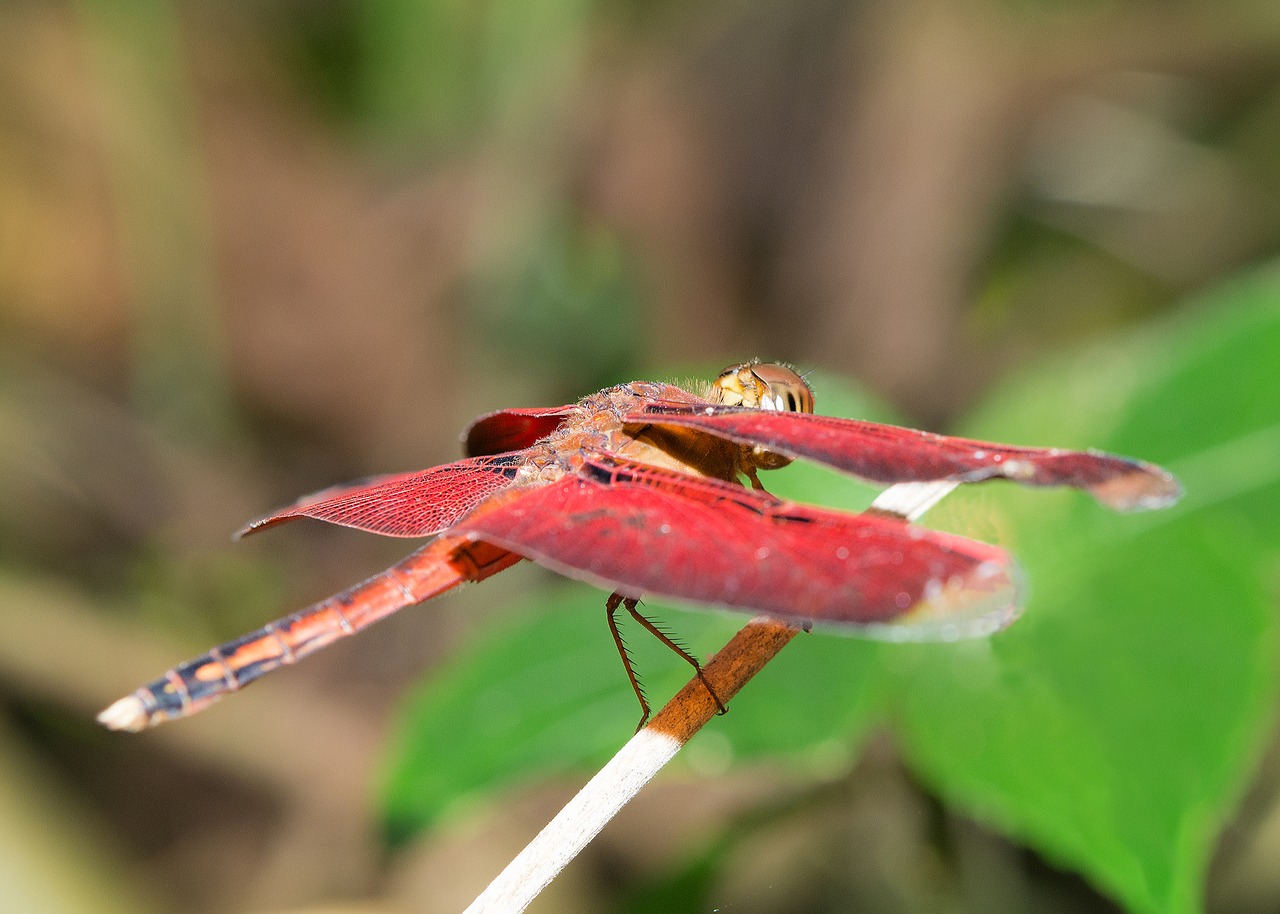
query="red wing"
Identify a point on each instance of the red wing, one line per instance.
(646, 531)
(511, 429)
(404, 504)
(889, 454)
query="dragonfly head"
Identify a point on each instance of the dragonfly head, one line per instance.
(763, 385)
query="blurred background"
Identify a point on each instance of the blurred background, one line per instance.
(248, 250)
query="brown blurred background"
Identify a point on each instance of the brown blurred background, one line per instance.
(248, 250)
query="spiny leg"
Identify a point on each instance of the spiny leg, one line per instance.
(678, 648)
(612, 606)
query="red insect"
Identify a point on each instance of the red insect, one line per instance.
(637, 489)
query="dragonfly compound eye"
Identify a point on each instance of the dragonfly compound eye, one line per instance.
(785, 390)
(763, 385)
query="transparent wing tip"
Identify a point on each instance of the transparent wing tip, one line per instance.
(984, 601)
(1146, 487)
(129, 713)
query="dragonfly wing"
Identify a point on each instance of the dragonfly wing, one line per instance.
(512, 429)
(404, 504)
(889, 454)
(641, 530)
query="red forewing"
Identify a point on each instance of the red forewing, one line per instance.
(889, 454)
(512, 429)
(646, 531)
(404, 504)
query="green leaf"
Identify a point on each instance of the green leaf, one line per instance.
(1115, 725)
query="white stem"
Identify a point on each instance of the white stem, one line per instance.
(912, 499)
(582, 818)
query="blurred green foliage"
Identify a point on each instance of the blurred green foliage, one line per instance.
(568, 297)
(437, 71)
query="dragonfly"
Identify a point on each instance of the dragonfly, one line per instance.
(653, 489)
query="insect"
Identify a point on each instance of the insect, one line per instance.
(639, 489)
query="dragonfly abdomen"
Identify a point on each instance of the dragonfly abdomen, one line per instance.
(192, 686)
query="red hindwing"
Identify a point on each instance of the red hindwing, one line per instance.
(512, 429)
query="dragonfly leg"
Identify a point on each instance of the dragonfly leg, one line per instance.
(617, 599)
(611, 605)
(675, 646)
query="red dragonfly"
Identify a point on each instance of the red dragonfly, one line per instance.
(637, 489)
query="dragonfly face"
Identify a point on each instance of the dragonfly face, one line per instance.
(763, 385)
(637, 489)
